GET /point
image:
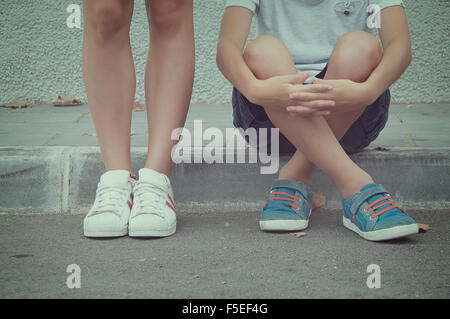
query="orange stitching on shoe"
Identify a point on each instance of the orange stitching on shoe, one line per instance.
(383, 211)
(377, 201)
(286, 194)
(381, 205)
(283, 198)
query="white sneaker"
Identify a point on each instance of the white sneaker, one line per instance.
(153, 212)
(110, 213)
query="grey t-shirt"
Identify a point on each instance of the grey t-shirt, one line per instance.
(311, 28)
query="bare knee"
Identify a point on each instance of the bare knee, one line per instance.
(106, 19)
(168, 16)
(355, 55)
(267, 56)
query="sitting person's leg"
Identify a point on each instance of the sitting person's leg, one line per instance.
(369, 210)
(355, 56)
(317, 140)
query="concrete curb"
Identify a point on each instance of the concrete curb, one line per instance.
(64, 179)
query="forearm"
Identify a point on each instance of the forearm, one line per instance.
(396, 59)
(231, 63)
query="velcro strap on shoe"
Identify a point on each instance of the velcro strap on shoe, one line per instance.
(298, 187)
(360, 198)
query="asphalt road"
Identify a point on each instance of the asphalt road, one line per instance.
(221, 255)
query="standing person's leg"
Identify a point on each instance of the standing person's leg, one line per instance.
(168, 86)
(109, 78)
(169, 76)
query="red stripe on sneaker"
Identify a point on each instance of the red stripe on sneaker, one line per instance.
(129, 204)
(171, 201)
(170, 206)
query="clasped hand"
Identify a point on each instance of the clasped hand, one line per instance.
(322, 97)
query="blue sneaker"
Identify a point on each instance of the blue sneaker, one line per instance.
(373, 215)
(288, 207)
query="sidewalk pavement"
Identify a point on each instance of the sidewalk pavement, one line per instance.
(48, 165)
(222, 255)
(50, 161)
(409, 126)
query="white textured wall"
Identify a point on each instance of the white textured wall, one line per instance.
(40, 57)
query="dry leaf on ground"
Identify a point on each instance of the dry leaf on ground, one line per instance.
(410, 140)
(16, 105)
(299, 234)
(399, 117)
(318, 199)
(66, 101)
(423, 227)
(381, 148)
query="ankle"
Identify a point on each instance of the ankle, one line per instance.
(159, 169)
(353, 185)
(286, 174)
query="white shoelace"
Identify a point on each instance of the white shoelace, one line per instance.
(148, 199)
(109, 199)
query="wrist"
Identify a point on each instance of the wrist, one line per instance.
(370, 91)
(252, 90)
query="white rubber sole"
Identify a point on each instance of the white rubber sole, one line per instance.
(383, 234)
(116, 233)
(283, 224)
(153, 232)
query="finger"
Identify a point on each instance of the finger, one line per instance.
(317, 80)
(299, 78)
(313, 106)
(299, 109)
(319, 104)
(306, 111)
(311, 88)
(309, 114)
(308, 96)
(322, 113)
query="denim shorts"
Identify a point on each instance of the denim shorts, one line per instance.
(362, 132)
